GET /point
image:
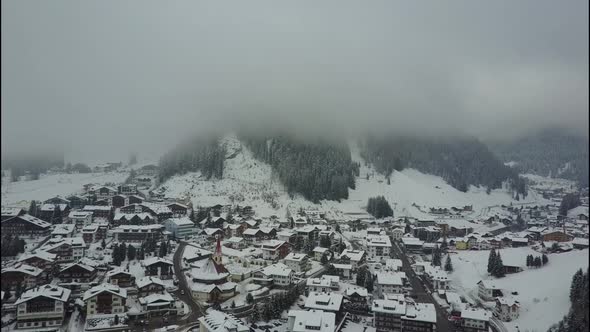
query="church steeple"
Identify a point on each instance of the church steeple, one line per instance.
(217, 257)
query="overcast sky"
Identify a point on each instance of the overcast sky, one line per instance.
(103, 78)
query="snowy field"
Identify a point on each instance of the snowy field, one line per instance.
(543, 293)
(48, 186)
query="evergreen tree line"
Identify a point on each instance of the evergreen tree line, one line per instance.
(459, 161)
(11, 246)
(547, 152)
(495, 264)
(568, 202)
(378, 207)
(577, 319)
(275, 305)
(537, 262)
(202, 154)
(436, 257)
(317, 170)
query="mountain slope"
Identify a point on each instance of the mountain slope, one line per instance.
(460, 161)
(550, 152)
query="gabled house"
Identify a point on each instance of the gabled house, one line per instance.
(150, 285)
(160, 267)
(42, 307)
(25, 275)
(120, 277)
(105, 299)
(77, 272)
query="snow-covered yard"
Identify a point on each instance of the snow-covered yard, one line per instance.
(543, 293)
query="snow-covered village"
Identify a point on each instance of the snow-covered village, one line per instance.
(114, 250)
(275, 166)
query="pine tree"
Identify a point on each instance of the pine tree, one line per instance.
(19, 290)
(116, 320)
(249, 298)
(538, 261)
(131, 252)
(361, 276)
(57, 218)
(255, 314)
(577, 286)
(103, 244)
(498, 270)
(369, 282)
(529, 260)
(33, 208)
(324, 259)
(163, 249)
(491, 260)
(436, 257)
(448, 264)
(545, 259)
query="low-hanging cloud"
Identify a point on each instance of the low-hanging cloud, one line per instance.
(101, 79)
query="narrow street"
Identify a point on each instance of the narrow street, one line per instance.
(422, 294)
(196, 310)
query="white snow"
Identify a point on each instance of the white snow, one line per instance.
(22, 192)
(543, 293)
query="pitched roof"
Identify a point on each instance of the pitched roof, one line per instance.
(105, 287)
(148, 281)
(53, 292)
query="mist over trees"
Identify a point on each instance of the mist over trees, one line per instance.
(459, 161)
(202, 154)
(32, 164)
(550, 152)
(317, 170)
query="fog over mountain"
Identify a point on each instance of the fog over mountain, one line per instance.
(101, 79)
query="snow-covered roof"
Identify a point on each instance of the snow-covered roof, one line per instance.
(44, 255)
(342, 266)
(278, 269)
(312, 321)
(23, 268)
(393, 264)
(354, 255)
(235, 239)
(79, 214)
(211, 231)
(183, 221)
(29, 218)
(154, 260)
(271, 245)
(128, 216)
(320, 249)
(386, 278)
(96, 208)
(217, 321)
(117, 270)
(508, 300)
(476, 314)
(11, 211)
(295, 257)
(57, 242)
(53, 292)
(105, 287)
(390, 307)
(154, 298)
(84, 266)
(123, 228)
(51, 207)
(251, 231)
(324, 301)
(142, 282)
(361, 291)
(412, 241)
(423, 312)
(63, 229)
(210, 271)
(488, 284)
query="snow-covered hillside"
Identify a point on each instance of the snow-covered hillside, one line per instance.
(249, 181)
(48, 186)
(246, 181)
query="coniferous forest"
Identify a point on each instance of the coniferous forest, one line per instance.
(459, 161)
(202, 154)
(315, 169)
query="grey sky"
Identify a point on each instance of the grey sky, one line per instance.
(102, 78)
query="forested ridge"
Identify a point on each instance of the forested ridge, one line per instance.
(201, 153)
(316, 169)
(547, 153)
(459, 161)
